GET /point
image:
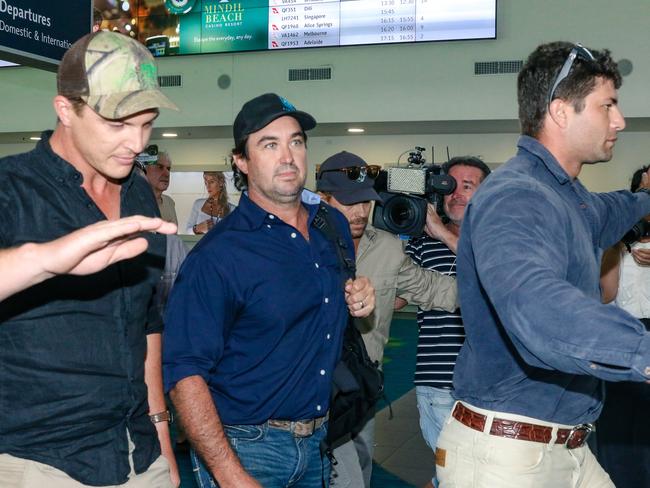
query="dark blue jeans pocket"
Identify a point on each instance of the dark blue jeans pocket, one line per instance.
(238, 434)
(201, 473)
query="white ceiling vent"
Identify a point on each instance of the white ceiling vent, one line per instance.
(498, 67)
(166, 81)
(310, 74)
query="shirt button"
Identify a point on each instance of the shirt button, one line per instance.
(647, 371)
(268, 225)
(327, 300)
(593, 366)
(583, 205)
(293, 235)
(328, 337)
(271, 216)
(316, 264)
(322, 372)
(318, 407)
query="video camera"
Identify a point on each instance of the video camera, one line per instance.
(405, 192)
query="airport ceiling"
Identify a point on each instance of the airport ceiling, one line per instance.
(503, 126)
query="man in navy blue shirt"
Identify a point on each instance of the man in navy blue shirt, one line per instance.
(255, 320)
(538, 340)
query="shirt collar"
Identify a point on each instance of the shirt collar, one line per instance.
(255, 216)
(370, 232)
(56, 166)
(536, 148)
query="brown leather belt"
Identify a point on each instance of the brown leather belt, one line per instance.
(511, 429)
(299, 428)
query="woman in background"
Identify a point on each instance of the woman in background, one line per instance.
(208, 211)
(623, 429)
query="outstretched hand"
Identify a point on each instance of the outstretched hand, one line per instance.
(99, 245)
(82, 252)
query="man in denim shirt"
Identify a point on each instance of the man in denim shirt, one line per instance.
(539, 342)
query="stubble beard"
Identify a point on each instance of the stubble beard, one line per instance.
(283, 197)
(290, 195)
(363, 223)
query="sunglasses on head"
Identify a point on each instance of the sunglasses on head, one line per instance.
(578, 51)
(357, 173)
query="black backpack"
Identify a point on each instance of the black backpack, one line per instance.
(357, 382)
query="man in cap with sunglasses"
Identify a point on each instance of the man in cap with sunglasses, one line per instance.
(255, 321)
(82, 401)
(539, 342)
(345, 181)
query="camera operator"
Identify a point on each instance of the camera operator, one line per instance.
(623, 431)
(441, 334)
(345, 182)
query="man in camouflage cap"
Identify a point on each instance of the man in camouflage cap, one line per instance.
(82, 400)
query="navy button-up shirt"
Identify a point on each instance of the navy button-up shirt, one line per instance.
(72, 348)
(539, 340)
(258, 312)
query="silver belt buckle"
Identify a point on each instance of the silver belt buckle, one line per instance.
(579, 435)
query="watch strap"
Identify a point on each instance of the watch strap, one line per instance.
(165, 416)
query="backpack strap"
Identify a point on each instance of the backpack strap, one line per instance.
(323, 222)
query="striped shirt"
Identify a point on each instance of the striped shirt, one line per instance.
(440, 334)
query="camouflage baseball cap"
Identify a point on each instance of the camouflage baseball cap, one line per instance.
(114, 74)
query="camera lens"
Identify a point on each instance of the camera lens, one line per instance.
(403, 214)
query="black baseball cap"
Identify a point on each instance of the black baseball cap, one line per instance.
(345, 190)
(261, 111)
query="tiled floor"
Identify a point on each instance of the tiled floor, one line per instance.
(402, 458)
(400, 449)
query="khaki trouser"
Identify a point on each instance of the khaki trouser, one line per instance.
(466, 458)
(23, 473)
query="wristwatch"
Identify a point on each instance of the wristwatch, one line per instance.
(165, 416)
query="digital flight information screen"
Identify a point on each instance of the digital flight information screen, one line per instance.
(173, 27)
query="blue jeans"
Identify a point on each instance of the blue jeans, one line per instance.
(273, 457)
(434, 405)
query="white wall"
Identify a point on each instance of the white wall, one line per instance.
(385, 83)
(631, 152)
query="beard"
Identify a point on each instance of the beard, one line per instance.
(357, 227)
(285, 191)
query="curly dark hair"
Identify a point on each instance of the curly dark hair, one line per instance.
(240, 179)
(636, 178)
(540, 71)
